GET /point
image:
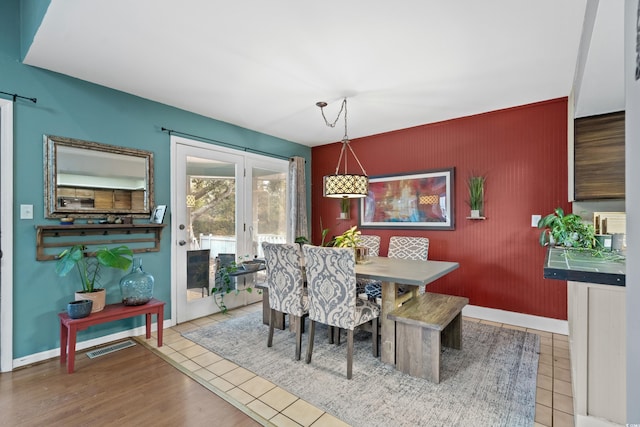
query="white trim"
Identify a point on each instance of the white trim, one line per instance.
(555, 326)
(50, 354)
(591, 421)
(6, 225)
(181, 147)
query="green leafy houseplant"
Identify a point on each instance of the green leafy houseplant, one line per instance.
(351, 239)
(566, 230)
(476, 193)
(224, 285)
(89, 267)
(348, 239)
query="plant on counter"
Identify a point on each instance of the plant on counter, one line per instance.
(224, 284)
(566, 230)
(88, 267)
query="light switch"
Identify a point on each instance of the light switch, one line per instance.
(535, 219)
(26, 211)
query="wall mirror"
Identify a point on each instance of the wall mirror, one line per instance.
(86, 179)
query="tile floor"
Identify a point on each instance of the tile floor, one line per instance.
(257, 396)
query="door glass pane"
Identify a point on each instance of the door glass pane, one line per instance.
(269, 208)
(211, 213)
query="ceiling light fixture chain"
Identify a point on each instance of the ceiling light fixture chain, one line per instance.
(344, 185)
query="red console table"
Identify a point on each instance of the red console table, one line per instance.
(69, 327)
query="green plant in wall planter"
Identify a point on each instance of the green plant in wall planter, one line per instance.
(475, 185)
(568, 230)
(345, 206)
(89, 268)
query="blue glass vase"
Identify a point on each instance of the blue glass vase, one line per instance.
(137, 286)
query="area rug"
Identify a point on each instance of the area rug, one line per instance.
(490, 382)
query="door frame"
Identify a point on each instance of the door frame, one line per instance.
(249, 159)
(6, 241)
(235, 157)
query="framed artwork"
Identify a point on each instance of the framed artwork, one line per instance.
(422, 200)
(157, 216)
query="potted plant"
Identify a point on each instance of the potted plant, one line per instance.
(351, 239)
(224, 284)
(345, 206)
(476, 195)
(250, 264)
(566, 230)
(89, 268)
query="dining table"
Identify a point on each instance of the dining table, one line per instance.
(392, 273)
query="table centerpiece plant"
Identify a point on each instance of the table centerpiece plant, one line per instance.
(351, 239)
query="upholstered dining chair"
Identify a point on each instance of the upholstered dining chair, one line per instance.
(402, 247)
(286, 287)
(371, 242)
(331, 283)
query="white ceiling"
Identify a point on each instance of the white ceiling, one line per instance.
(263, 65)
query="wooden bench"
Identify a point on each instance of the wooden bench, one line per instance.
(69, 327)
(423, 325)
(266, 308)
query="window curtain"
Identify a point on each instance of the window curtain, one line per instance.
(296, 200)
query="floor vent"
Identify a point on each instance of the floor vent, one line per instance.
(110, 349)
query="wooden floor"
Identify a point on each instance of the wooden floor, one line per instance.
(131, 387)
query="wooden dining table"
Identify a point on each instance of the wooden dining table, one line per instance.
(393, 272)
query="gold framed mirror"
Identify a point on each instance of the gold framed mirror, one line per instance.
(85, 179)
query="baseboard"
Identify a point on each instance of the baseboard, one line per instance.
(81, 345)
(555, 326)
(589, 421)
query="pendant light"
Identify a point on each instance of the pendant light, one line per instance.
(344, 185)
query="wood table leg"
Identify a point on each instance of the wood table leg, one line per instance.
(160, 321)
(63, 343)
(71, 359)
(148, 325)
(388, 327)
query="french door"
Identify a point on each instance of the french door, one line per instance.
(224, 202)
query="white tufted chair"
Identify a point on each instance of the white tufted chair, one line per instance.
(331, 283)
(371, 242)
(416, 248)
(286, 287)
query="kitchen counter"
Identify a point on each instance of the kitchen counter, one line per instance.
(583, 266)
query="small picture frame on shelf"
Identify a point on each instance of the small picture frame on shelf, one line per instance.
(157, 216)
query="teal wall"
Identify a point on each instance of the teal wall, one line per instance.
(77, 109)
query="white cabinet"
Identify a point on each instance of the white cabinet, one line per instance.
(597, 328)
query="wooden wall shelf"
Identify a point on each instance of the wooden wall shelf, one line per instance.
(140, 238)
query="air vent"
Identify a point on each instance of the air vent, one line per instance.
(110, 349)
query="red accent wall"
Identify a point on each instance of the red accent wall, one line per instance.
(523, 153)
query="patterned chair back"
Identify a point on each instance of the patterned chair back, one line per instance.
(331, 283)
(284, 277)
(372, 242)
(416, 248)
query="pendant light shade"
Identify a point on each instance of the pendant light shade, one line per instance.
(345, 184)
